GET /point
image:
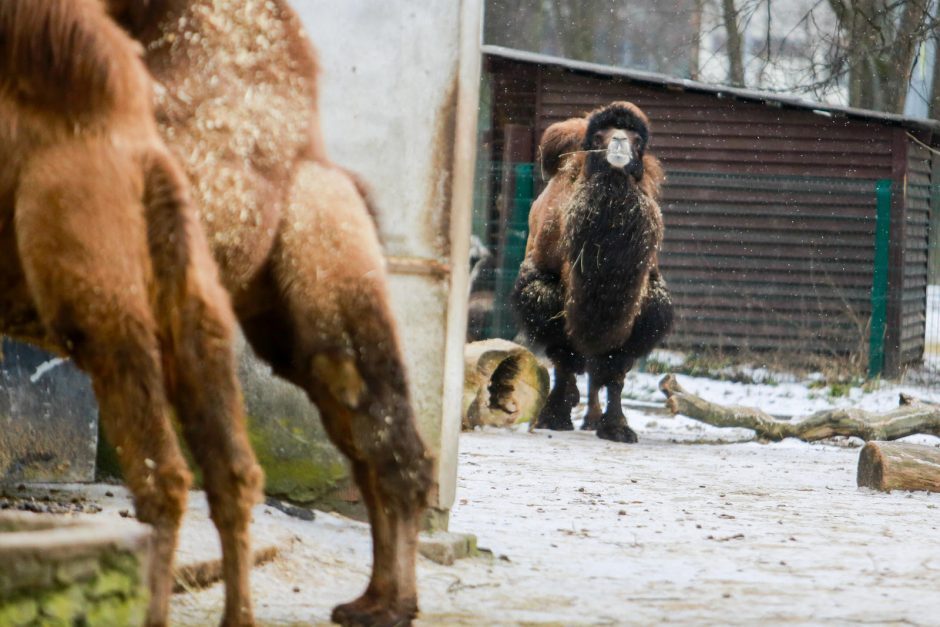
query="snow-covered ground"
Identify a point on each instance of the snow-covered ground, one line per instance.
(692, 525)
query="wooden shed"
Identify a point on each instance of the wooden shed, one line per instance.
(771, 204)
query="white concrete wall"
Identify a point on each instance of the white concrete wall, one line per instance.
(399, 91)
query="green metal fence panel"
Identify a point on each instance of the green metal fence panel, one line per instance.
(514, 242)
(879, 288)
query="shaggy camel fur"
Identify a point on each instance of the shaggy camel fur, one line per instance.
(589, 289)
(297, 250)
(102, 258)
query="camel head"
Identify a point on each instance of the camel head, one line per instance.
(617, 136)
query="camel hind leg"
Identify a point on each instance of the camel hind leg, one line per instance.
(328, 278)
(198, 330)
(363, 401)
(83, 251)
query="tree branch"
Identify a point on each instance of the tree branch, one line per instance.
(898, 423)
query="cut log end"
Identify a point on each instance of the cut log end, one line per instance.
(870, 467)
(888, 466)
(504, 384)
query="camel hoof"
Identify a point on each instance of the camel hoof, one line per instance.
(365, 612)
(590, 422)
(556, 419)
(617, 433)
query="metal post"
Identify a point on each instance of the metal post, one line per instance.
(879, 287)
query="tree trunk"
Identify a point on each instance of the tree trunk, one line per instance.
(576, 29)
(735, 46)
(934, 111)
(880, 47)
(901, 60)
(695, 52)
(890, 466)
(898, 423)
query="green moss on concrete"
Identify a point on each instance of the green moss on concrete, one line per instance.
(64, 606)
(117, 612)
(302, 472)
(72, 571)
(25, 573)
(113, 583)
(19, 612)
(104, 595)
(299, 462)
(74, 585)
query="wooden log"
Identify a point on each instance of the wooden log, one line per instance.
(897, 423)
(888, 466)
(202, 574)
(504, 384)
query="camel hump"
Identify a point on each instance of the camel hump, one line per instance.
(557, 140)
(65, 57)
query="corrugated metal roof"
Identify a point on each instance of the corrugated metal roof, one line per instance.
(719, 91)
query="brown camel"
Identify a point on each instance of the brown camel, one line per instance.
(102, 258)
(589, 290)
(297, 250)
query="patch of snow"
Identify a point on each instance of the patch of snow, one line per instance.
(45, 367)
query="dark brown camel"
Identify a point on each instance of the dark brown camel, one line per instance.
(102, 258)
(589, 290)
(297, 250)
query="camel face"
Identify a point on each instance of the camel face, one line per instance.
(620, 145)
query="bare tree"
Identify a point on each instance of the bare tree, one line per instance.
(858, 52)
(876, 46)
(696, 47)
(934, 106)
(644, 34)
(735, 49)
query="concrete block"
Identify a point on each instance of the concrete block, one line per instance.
(72, 571)
(445, 547)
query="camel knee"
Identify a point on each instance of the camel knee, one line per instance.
(405, 469)
(160, 491)
(233, 487)
(538, 300)
(652, 325)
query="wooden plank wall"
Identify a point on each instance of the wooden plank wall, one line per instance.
(770, 212)
(919, 192)
(769, 262)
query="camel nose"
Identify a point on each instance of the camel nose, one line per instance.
(619, 151)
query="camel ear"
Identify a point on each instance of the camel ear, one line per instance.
(558, 139)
